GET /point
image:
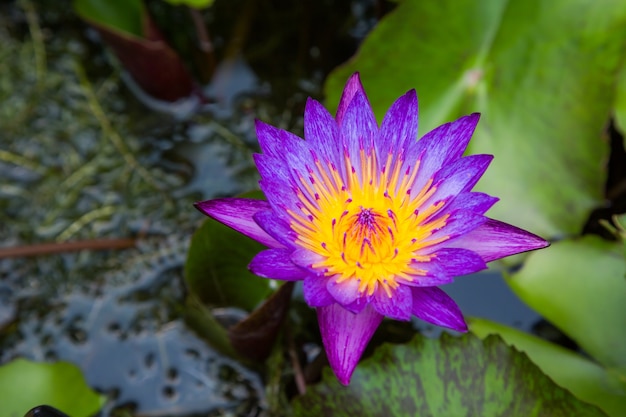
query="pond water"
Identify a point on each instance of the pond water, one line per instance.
(84, 159)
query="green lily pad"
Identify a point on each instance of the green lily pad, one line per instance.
(25, 384)
(585, 379)
(196, 4)
(451, 376)
(216, 270)
(579, 286)
(123, 16)
(543, 76)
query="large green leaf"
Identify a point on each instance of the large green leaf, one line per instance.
(620, 222)
(216, 269)
(579, 286)
(543, 76)
(584, 378)
(25, 384)
(196, 4)
(447, 377)
(124, 16)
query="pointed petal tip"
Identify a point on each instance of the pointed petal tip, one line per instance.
(541, 243)
(345, 336)
(412, 94)
(226, 206)
(495, 239)
(238, 214)
(309, 102)
(461, 327)
(353, 85)
(354, 78)
(526, 240)
(260, 124)
(406, 103)
(433, 305)
(344, 379)
(343, 371)
(204, 207)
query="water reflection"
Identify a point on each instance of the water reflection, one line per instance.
(130, 345)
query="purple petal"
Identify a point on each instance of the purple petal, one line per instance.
(275, 227)
(270, 138)
(398, 306)
(346, 292)
(475, 202)
(238, 213)
(399, 127)
(435, 306)
(282, 165)
(459, 176)
(277, 183)
(306, 259)
(447, 142)
(358, 305)
(443, 145)
(447, 264)
(301, 166)
(495, 239)
(321, 132)
(284, 158)
(315, 292)
(359, 126)
(275, 142)
(276, 264)
(359, 130)
(435, 275)
(459, 262)
(353, 85)
(345, 336)
(459, 223)
(453, 140)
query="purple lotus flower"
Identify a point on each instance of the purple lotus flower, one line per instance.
(370, 219)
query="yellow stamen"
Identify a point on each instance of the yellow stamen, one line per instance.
(370, 229)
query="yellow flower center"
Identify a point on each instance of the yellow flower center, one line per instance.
(370, 229)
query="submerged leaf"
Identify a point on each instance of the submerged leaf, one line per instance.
(255, 335)
(451, 376)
